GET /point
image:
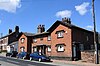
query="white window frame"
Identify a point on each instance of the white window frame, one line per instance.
(35, 49)
(22, 40)
(60, 34)
(34, 40)
(60, 48)
(49, 38)
(49, 48)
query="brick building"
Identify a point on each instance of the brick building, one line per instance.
(25, 40)
(61, 41)
(13, 40)
(3, 43)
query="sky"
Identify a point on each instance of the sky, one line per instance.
(28, 14)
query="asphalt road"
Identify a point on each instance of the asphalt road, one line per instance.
(19, 62)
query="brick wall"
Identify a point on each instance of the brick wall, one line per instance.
(87, 56)
(24, 44)
(84, 37)
(66, 40)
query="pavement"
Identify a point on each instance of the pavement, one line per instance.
(77, 63)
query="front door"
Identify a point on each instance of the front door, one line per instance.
(41, 49)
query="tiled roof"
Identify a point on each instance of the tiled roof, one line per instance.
(28, 34)
(65, 24)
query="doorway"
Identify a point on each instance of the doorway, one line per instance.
(41, 49)
(76, 52)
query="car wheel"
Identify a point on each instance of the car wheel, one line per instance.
(10, 56)
(17, 57)
(23, 57)
(30, 58)
(40, 59)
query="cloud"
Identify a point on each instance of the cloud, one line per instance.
(10, 5)
(89, 27)
(65, 13)
(82, 9)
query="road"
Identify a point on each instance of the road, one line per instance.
(19, 62)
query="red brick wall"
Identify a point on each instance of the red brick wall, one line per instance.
(22, 44)
(54, 40)
(87, 56)
(66, 40)
(44, 41)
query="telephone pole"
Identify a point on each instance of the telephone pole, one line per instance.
(95, 43)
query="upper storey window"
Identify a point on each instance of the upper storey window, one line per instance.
(49, 38)
(22, 40)
(60, 34)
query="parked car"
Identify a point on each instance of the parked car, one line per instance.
(38, 56)
(12, 54)
(8, 54)
(23, 55)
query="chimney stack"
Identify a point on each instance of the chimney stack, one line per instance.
(66, 20)
(10, 31)
(43, 28)
(17, 29)
(40, 28)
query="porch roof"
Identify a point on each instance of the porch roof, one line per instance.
(42, 45)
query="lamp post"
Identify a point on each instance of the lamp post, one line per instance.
(96, 45)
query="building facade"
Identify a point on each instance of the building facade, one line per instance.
(3, 43)
(13, 40)
(61, 41)
(24, 42)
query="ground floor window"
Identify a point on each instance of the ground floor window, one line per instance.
(22, 49)
(34, 49)
(60, 47)
(81, 47)
(49, 48)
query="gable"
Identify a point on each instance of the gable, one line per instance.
(56, 24)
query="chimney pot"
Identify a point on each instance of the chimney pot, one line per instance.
(66, 20)
(10, 31)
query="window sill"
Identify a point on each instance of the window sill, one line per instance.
(60, 51)
(59, 37)
(49, 51)
(48, 40)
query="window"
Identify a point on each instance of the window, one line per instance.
(87, 38)
(22, 49)
(34, 49)
(1, 41)
(5, 46)
(60, 48)
(49, 48)
(60, 33)
(49, 38)
(81, 47)
(41, 38)
(34, 40)
(22, 40)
